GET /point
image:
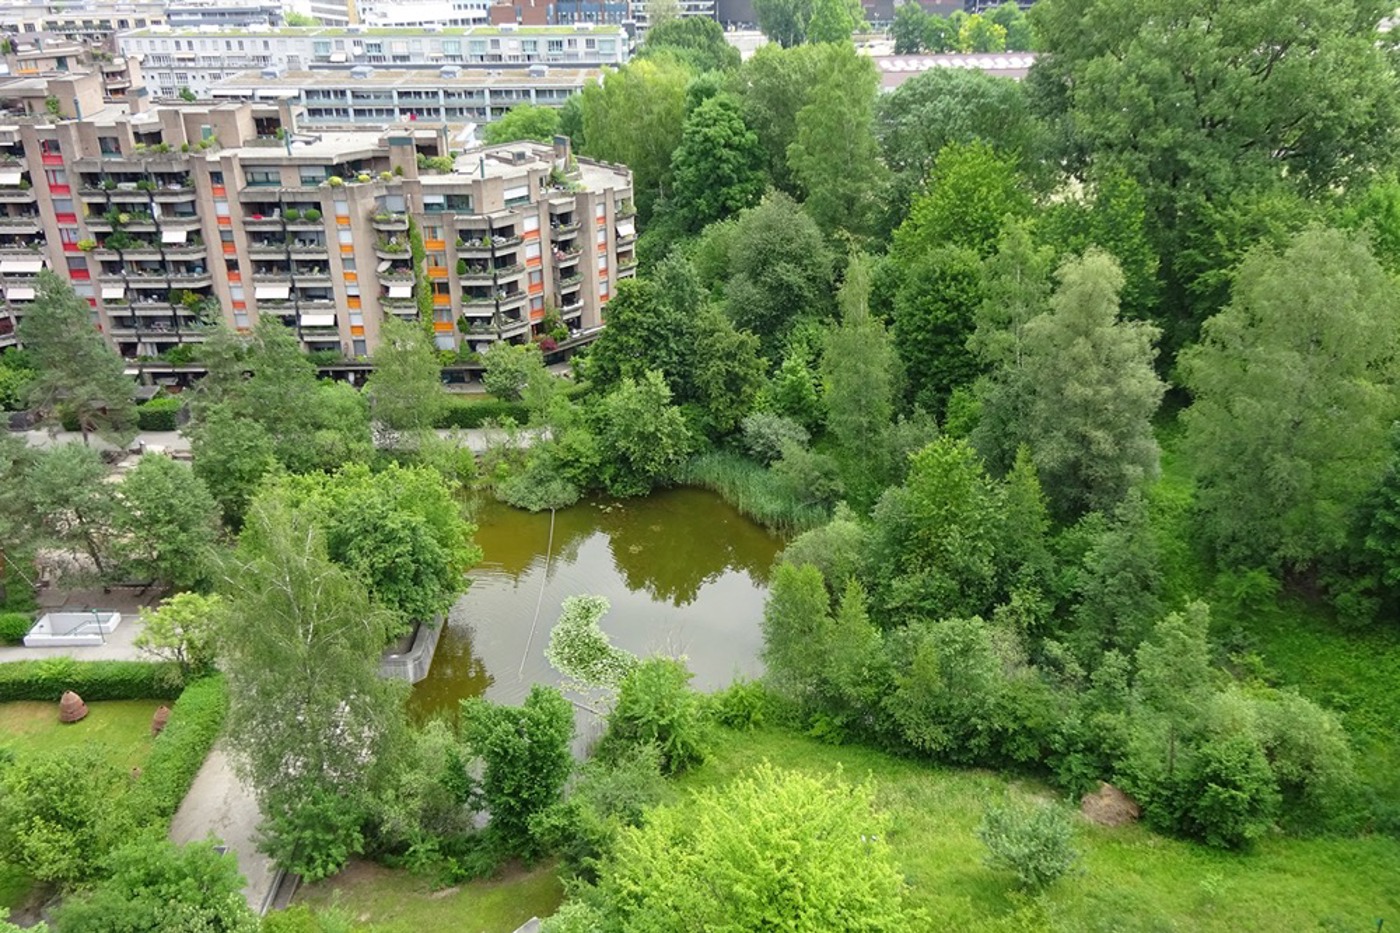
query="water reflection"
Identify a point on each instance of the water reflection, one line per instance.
(686, 574)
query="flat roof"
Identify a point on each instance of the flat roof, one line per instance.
(896, 69)
(317, 145)
(351, 32)
(417, 79)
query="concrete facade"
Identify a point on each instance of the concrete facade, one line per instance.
(173, 217)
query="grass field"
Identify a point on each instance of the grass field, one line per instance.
(121, 729)
(382, 900)
(1131, 880)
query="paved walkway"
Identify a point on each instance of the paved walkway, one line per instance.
(221, 806)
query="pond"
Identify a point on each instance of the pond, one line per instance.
(684, 571)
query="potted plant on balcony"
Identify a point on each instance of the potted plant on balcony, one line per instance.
(291, 215)
(311, 215)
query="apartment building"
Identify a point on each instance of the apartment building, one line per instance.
(198, 59)
(93, 21)
(170, 218)
(37, 55)
(375, 97)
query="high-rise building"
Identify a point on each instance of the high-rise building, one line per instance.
(172, 217)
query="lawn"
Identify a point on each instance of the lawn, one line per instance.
(383, 900)
(121, 729)
(1131, 879)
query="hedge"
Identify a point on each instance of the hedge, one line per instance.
(462, 414)
(159, 414)
(196, 720)
(14, 626)
(92, 680)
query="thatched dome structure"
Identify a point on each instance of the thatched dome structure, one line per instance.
(71, 707)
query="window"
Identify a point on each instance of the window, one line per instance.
(536, 277)
(263, 177)
(313, 175)
(360, 348)
(216, 178)
(348, 263)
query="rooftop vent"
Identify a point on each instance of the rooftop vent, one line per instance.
(361, 72)
(449, 71)
(539, 71)
(272, 72)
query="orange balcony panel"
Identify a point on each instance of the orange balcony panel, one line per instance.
(234, 275)
(342, 220)
(347, 249)
(537, 315)
(536, 289)
(530, 235)
(532, 263)
(356, 330)
(240, 305)
(443, 327)
(603, 297)
(352, 276)
(352, 302)
(437, 272)
(224, 221)
(436, 246)
(230, 249)
(219, 191)
(442, 301)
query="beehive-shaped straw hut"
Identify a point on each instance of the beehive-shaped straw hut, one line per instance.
(71, 707)
(159, 720)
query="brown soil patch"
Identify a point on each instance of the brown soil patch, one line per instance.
(1109, 806)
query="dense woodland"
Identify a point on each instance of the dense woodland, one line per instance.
(1058, 389)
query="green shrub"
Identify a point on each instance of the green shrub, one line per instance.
(14, 626)
(742, 705)
(68, 419)
(754, 490)
(92, 680)
(475, 414)
(159, 414)
(1035, 842)
(196, 720)
(655, 706)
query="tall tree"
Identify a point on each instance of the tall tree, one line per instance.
(1198, 101)
(933, 548)
(524, 121)
(1017, 291)
(718, 167)
(643, 437)
(75, 370)
(635, 116)
(780, 271)
(774, 85)
(727, 371)
(943, 106)
(934, 314)
(696, 40)
(833, 154)
(974, 192)
(399, 531)
(834, 20)
(71, 504)
(231, 456)
(910, 21)
(166, 525)
(405, 390)
(310, 719)
(1093, 391)
(1295, 389)
(860, 370)
(784, 21)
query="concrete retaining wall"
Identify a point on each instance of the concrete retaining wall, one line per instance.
(414, 664)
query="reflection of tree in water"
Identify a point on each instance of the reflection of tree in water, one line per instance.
(456, 672)
(673, 543)
(513, 540)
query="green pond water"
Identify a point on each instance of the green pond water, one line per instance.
(686, 575)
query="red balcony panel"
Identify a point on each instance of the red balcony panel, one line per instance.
(70, 247)
(80, 275)
(60, 189)
(66, 218)
(52, 158)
